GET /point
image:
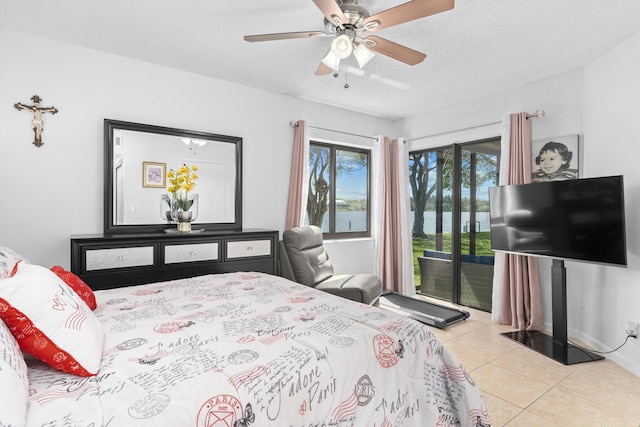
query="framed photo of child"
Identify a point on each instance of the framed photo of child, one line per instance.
(555, 159)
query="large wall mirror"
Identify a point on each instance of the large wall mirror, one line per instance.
(137, 160)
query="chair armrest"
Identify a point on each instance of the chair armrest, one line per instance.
(285, 263)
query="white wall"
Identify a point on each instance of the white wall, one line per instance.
(611, 296)
(598, 102)
(55, 191)
(559, 96)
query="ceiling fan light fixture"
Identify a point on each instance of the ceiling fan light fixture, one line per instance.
(363, 55)
(331, 61)
(342, 47)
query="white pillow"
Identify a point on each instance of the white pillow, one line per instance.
(50, 321)
(13, 381)
(8, 259)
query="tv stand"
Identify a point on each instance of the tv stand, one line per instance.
(556, 347)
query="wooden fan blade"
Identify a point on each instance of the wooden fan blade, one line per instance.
(323, 69)
(285, 36)
(409, 11)
(330, 8)
(394, 50)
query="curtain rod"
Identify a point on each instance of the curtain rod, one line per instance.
(294, 124)
(538, 113)
(453, 131)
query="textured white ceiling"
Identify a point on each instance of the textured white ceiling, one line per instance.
(477, 48)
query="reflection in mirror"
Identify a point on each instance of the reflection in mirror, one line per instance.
(138, 158)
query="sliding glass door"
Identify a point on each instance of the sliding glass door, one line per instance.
(479, 170)
(450, 210)
(430, 181)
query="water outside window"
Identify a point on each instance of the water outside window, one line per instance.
(351, 191)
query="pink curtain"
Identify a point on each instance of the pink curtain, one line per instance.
(391, 219)
(296, 186)
(521, 304)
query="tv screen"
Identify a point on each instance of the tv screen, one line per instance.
(580, 219)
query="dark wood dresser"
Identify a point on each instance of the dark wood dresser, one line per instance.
(110, 261)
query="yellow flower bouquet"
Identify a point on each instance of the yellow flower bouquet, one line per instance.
(181, 182)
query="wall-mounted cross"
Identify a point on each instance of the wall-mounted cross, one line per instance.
(37, 111)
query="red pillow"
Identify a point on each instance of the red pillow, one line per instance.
(82, 289)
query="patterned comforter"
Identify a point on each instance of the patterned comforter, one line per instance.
(251, 349)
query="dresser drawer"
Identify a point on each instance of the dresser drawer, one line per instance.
(248, 248)
(191, 253)
(104, 259)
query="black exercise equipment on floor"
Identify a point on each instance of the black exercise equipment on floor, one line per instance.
(423, 311)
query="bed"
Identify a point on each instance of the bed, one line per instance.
(231, 350)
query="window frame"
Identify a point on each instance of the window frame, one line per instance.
(332, 234)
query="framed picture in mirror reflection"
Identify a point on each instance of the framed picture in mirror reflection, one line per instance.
(154, 175)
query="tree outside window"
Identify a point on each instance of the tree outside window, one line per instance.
(338, 194)
(430, 168)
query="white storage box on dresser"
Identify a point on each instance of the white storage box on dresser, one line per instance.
(106, 261)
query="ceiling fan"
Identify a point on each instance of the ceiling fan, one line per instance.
(349, 24)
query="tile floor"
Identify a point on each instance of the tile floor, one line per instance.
(523, 388)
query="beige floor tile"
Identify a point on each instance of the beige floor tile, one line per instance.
(459, 328)
(468, 360)
(483, 347)
(530, 364)
(568, 409)
(450, 332)
(508, 386)
(500, 410)
(607, 384)
(492, 329)
(527, 419)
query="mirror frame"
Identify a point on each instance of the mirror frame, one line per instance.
(109, 221)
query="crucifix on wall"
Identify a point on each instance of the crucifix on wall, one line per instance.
(37, 111)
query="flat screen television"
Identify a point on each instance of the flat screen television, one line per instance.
(578, 220)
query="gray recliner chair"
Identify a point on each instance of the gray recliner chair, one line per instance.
(303, 259)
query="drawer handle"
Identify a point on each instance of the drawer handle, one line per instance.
(249, 248)
(192, 253)
(120, 258)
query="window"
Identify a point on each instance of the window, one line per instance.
(338, 200)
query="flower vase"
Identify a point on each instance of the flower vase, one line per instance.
(184, 218)
(168, 206)
(184, 221)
